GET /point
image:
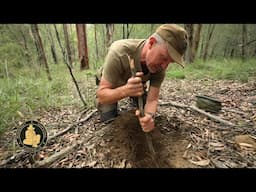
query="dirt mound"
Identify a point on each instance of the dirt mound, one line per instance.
(127, 142)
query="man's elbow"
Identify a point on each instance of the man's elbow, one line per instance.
(100, 97)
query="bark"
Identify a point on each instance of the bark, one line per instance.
(41, 53)
(67, 42)
(53, 48)
(82, 46)
(208, 39)
(123, 25)
(96, 42)
(188, 54)
(196, 40)
(109, 34)
(244, 40)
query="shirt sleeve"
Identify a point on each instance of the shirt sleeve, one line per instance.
(112, 67)
(157, 79)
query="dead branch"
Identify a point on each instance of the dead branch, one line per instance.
(233, 111)
(56, 156)
(22, 153)
(214, 117)
(194, 108)
(62, 153)
(72, 126)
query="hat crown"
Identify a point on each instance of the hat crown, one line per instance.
(175, 35)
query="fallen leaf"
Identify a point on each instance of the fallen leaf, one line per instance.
(200, 163)
(189, 145)
(122, 164)
(218, 144)
(245, 141)
(91, 164)
(254, 137)
(245, 145)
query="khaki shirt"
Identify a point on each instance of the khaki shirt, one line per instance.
(116, 68)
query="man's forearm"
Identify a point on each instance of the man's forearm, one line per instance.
(151, 106)
(109, 96)
(152, 100)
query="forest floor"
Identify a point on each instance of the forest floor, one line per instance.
(183, 138)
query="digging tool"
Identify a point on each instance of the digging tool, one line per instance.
(142, 114)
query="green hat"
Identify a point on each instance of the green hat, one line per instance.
(176, 38)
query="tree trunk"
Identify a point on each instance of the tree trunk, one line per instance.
(96, 42)
(152, 28)
(202, 47)
(208, 39)
(188, 54)
(69, 55)
(213, 49)
(123, 31)
(82, 46)
(22, 43)
(196, 39)
(129, 30)
(53, 49)
(27, 52)
(244, 41)
(41, 53)
(109, 34)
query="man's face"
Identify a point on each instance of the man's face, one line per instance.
(157, 58)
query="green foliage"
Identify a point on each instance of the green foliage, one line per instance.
(216, 69)
(176, 74)
(27, 93)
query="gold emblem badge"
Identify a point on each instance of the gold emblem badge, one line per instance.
(32, 136)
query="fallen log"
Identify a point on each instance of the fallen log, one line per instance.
(194, 108)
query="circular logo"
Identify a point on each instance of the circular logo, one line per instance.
(32, 136)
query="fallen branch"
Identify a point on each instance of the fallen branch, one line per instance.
(73, 125)
(62, 153)
(56, 156)
(194, 108)
(214, 117)
(20, 154)
(233, 111)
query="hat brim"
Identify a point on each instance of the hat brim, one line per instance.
(175, 55)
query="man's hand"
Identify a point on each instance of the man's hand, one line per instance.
(134, 86)
(147, 122)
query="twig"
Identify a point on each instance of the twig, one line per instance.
(69, 67)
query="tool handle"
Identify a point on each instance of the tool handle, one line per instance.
(140, 98)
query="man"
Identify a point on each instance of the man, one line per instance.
(152, 57)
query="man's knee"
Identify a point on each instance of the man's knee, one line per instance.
(107, 111)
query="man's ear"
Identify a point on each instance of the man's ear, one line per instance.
(152, 41)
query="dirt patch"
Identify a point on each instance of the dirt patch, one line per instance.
(127, 142)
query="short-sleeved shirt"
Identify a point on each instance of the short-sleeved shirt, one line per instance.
(116, 68)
